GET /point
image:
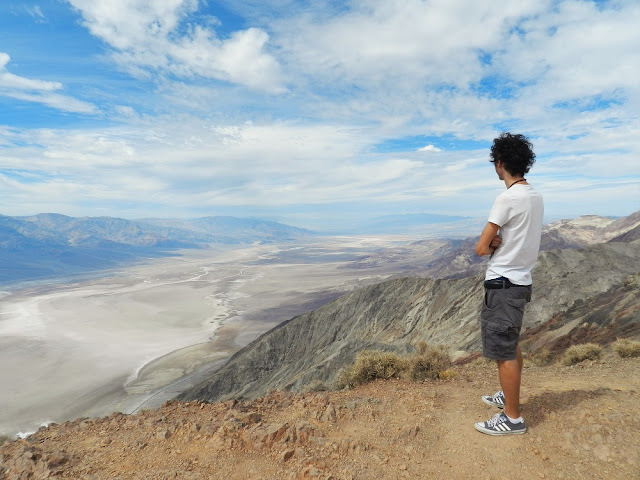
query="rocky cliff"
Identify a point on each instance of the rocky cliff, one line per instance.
(399, 313)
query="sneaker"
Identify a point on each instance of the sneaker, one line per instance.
(499, 424)
(495, 400)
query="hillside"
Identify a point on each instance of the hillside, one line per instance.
(583, 423)
(586, 230)
(572, 289)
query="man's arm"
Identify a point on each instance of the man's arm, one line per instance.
(489, 240)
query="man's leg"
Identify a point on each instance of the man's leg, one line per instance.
(510, 374)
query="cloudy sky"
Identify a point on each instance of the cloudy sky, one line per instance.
(316, 113)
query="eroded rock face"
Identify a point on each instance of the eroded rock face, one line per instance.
(602, 319)
(399, 313)
(586, 230)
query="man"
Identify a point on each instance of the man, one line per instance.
(512, 239)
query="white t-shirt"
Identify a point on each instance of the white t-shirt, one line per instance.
(518, 211)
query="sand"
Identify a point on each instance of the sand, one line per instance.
(137, 337)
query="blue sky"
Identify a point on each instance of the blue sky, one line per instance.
(316, 113)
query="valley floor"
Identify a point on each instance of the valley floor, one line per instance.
(584, 423)
(138, 336)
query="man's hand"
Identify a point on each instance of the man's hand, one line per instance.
(489, 240)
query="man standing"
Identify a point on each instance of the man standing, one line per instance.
(512, 239)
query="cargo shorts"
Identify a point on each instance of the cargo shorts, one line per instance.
(501, 320)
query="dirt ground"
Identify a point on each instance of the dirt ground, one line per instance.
(584, 423)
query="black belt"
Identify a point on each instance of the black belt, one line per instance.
(500, 282)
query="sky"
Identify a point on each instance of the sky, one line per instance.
(315, 113)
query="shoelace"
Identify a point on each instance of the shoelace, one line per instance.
(496, 420)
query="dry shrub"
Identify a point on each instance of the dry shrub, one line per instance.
(540, 358)
(4, 439)
(371, 365)
(482, 362)
(427, 362)
(580, 353)
(627, 348)
(448, 374)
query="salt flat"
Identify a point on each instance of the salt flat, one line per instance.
(135, 337)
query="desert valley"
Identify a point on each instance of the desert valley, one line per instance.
(200, 324)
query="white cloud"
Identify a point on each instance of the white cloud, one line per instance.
(156, 37)
(198, 165)
(164, 166)
(125, 111)
(10, 81)
(38, 91)
(575, 51)
(355, 76)
(429, 148)
(467, 69)
(54, 100)
(36, 13)
(411, 42)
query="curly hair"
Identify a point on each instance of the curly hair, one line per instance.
(514, 151)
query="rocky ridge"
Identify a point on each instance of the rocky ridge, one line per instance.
(456, 258)
(583, 231)
(583, 422)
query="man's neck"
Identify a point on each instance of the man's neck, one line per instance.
(505, 176)
(510, 180)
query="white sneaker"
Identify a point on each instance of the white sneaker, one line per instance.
(495, 400)
(500, 424)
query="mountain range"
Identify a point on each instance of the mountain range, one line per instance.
(582, 293)
(50, 245)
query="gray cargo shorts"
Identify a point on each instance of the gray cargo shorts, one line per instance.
(501, 320)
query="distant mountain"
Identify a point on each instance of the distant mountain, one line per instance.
(224, 229)
(586, 230)
(48, 245)
(454, 258)
(98, 231)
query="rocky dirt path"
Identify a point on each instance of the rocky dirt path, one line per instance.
(584, 423)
